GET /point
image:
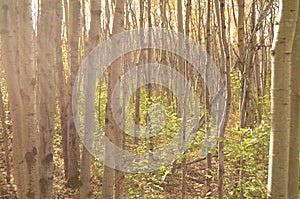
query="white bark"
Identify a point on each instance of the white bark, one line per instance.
(47, 106)
(280, 100)
(295, 115)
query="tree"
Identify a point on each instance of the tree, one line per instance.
(19, 65)
(112, 130)
(46, 95)
(280, 100)
(220, 8)
(94, 37)
(294, 148)
(72, 139)
(185, 74)
(61, 85)
(208, 51)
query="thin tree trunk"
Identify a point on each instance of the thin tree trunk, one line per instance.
(257, 68)
(61, 83)
(184, 165)
(241, 60)
(141, 59)
(208, 51)
(180, 67)
(220, 6)
(94, 38)
(150, 56)
(244, 98)
(111, 128)
(73, 141)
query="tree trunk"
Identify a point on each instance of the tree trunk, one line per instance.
(8, 50)
(244, 98)
(149, 89)
(61, 84)
(184, 106)
(220, 7)
(73, 141)
(111, 129)
(294, 148)
(280, 100)
(16, 21)
(47, 90)
(85, 175)
(208, 51)
(241, 61)
(137, 107)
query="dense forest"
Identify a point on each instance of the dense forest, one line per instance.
(121, 99)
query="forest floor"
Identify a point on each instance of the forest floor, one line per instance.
(150, 185)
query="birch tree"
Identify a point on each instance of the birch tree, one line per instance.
(294, 148)
(19, 65)
(46, 95)
(280, 100)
